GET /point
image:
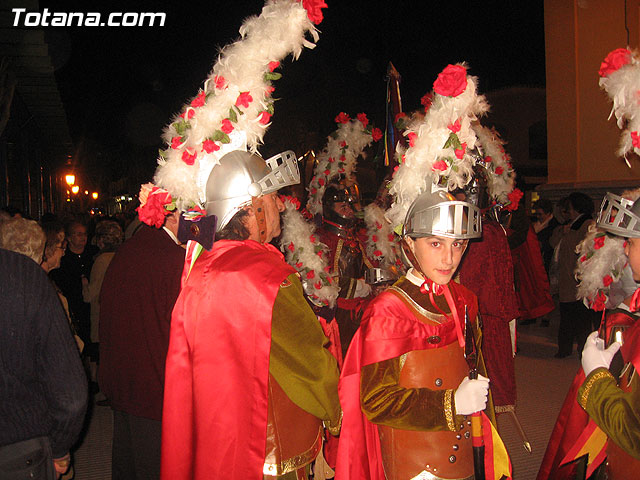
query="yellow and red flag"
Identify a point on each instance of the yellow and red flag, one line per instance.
(592, 442)
(497, 465)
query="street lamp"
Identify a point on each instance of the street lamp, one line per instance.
(70, 179)
(94, 195)
(75, 189)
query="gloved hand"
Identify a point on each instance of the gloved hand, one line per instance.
(471, 395)
(594, 355)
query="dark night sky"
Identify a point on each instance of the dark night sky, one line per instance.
(121, 85)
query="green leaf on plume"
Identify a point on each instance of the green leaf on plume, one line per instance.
(162, 153)
(454, 168)
(232, 115)
(453, 141)
(272, 76)
(181, 127)
(220, 136)
(170, 206)
(270, 109)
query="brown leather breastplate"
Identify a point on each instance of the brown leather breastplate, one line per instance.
(294, 437)
(621, 465)
(443, 454)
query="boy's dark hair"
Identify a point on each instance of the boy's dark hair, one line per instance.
(236, 228)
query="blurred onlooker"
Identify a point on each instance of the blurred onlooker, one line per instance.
(108, 237)
(23, 236)
(43, 385)
(77, 262)
(544, 226)
(576, 320)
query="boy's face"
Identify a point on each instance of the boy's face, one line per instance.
(439, 257)
(632, 251)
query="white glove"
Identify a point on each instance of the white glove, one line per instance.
(594, 355)
(471, 395)
(363, 289)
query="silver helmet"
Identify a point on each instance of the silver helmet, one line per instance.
(440, 214)
(241, 175)
(619, 216)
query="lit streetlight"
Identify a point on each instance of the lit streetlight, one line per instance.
(75, 189)
(94, 195)
(70, 179)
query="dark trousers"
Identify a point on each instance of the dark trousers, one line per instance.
(136, 447)
(576, 323)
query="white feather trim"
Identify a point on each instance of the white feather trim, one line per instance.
(497, 162)
(382, 244)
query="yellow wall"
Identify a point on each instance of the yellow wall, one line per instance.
(581, 142)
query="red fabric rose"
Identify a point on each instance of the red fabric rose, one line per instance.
(265, 117)
(598, 242)
(514, 197)
(331, 159)
(321, 182)
(273, 66)
(374, 238)
(455, 126)
(188, 157)
(188, 114)
(199, 100)
(176, 142)
(244, 99)
(227, 126)
(607, 280)
(343, 158)
(377, 253)
(319, 253)
(210, 146)
(299, 265)
(152, 212)
(599, 302)
(378, 225)
(426, 101)
(583, 259)
(220, 81)
(318, 285)
(616, 59)
(327, 172)
(342, 118)
(314, 10)
(343, 143)
(635, 139)
(391, 237)
(460, 151)
(488, 159)
(291, 247)
(363, 119)
(440, 165)
(412, 139)
(499, 170)
(311, 274)
(376, 134)
(269, 91)
(451, 82)
(312, 239)
(399, 116)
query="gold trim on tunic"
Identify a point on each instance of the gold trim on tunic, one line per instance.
(294, 463)
(435, 317)
(448, 410)
(582, 400)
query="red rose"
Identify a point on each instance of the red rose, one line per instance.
(227, 126)
(363, 119)
(188, 157)
(265, 117)
(426, 101)
(514, 197)
(598, 303)
(321, 182)
(399, 116)
(598, 242)
(455, 126)
(412, 139)
(460, 151)
(319, 253)
(244, 99)
(311, 274)
(273, 66)
(188, 114)
(440, 165)
(331, 159)
(176, 142)
(199, 100)
(318, 285)
(291, 247)
(314, 10)
(343, 158)
(616, 59)
(378, 225)
(342, 118)
(312, 239)
(635, 139)
(607, 280)
(488, 159)
(377, 253)
(374, 238)
(451, 82)
(210, 146)
(376, 134)
(269, 91)
(299, 265)
(583, 259)
(153, 212)
(391, 237)
(219, 81)
(499, 170)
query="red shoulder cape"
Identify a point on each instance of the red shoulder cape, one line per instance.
(388, 330)
(215, 401)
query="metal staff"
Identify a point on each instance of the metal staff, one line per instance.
(471, 355)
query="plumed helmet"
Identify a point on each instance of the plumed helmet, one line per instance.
(620, 216)
(241, 175)
(334, 193)
(440, 214)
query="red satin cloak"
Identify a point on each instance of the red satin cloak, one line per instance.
(388, 330)
(215, 402)
(572, 418)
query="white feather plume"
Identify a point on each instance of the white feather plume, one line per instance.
(497, 162)
(244, 68)
(382, 244)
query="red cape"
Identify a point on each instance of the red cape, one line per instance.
(388, 330)
(572, 418)
(215, 402)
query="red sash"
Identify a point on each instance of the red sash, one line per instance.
(215, 402)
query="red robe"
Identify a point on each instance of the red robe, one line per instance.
(572, 418)
(388, 330)
(215, 403)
